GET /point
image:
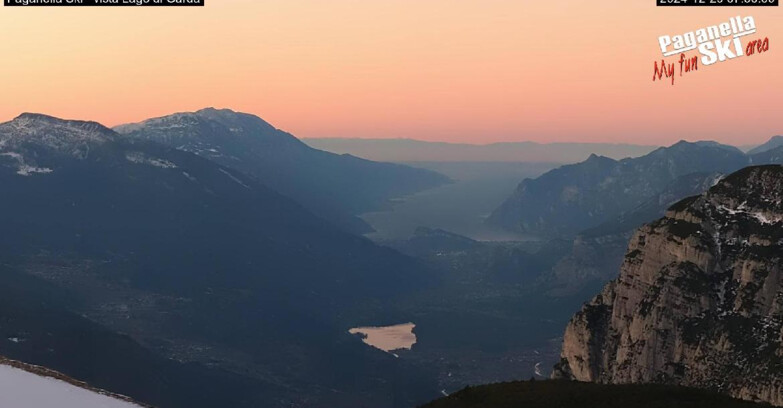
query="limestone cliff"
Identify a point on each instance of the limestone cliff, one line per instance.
(699, 298)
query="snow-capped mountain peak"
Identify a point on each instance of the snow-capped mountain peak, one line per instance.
(51, 132)
(30, 135)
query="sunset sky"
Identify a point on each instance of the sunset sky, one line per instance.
(476, 71)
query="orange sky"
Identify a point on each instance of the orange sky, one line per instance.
(474, 71)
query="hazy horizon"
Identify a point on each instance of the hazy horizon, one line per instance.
(477, 143)
(459, 71)
(512, 142)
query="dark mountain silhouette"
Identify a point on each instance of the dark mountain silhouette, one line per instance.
(577, 197)
(410, 150)
(335, 187)
(45, 331)
(198, 263)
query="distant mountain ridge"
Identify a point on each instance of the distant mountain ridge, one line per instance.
(410, 150)
(774, 142)
(335, 187)
(574, 198)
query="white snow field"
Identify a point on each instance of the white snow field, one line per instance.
(22, 389)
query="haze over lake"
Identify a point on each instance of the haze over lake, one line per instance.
(460, 207)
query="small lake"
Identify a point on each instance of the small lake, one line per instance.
(388, 338)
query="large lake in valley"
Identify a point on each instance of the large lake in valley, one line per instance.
(460, 207)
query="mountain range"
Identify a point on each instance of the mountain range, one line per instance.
(162, 260)
(578, 197)
(186, 261)
(335, 187)
(409, 150)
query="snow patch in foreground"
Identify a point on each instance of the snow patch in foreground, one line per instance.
(21, 389)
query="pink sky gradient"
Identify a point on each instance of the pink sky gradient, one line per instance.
(475, 71)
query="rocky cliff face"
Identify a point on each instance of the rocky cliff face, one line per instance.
(698, 301)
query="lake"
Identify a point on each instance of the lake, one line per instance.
(388, 338)
(460, 207)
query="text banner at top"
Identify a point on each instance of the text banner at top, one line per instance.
(716, 3)
(102, 3)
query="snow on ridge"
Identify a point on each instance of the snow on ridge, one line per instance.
(27, 386)
(13, 155)
(26, 170)
(174, 121)
(55, 132)
(23, 168)
(73, 138)
(234, 178)
(141, 158)
(760, 216)
(189, 177)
